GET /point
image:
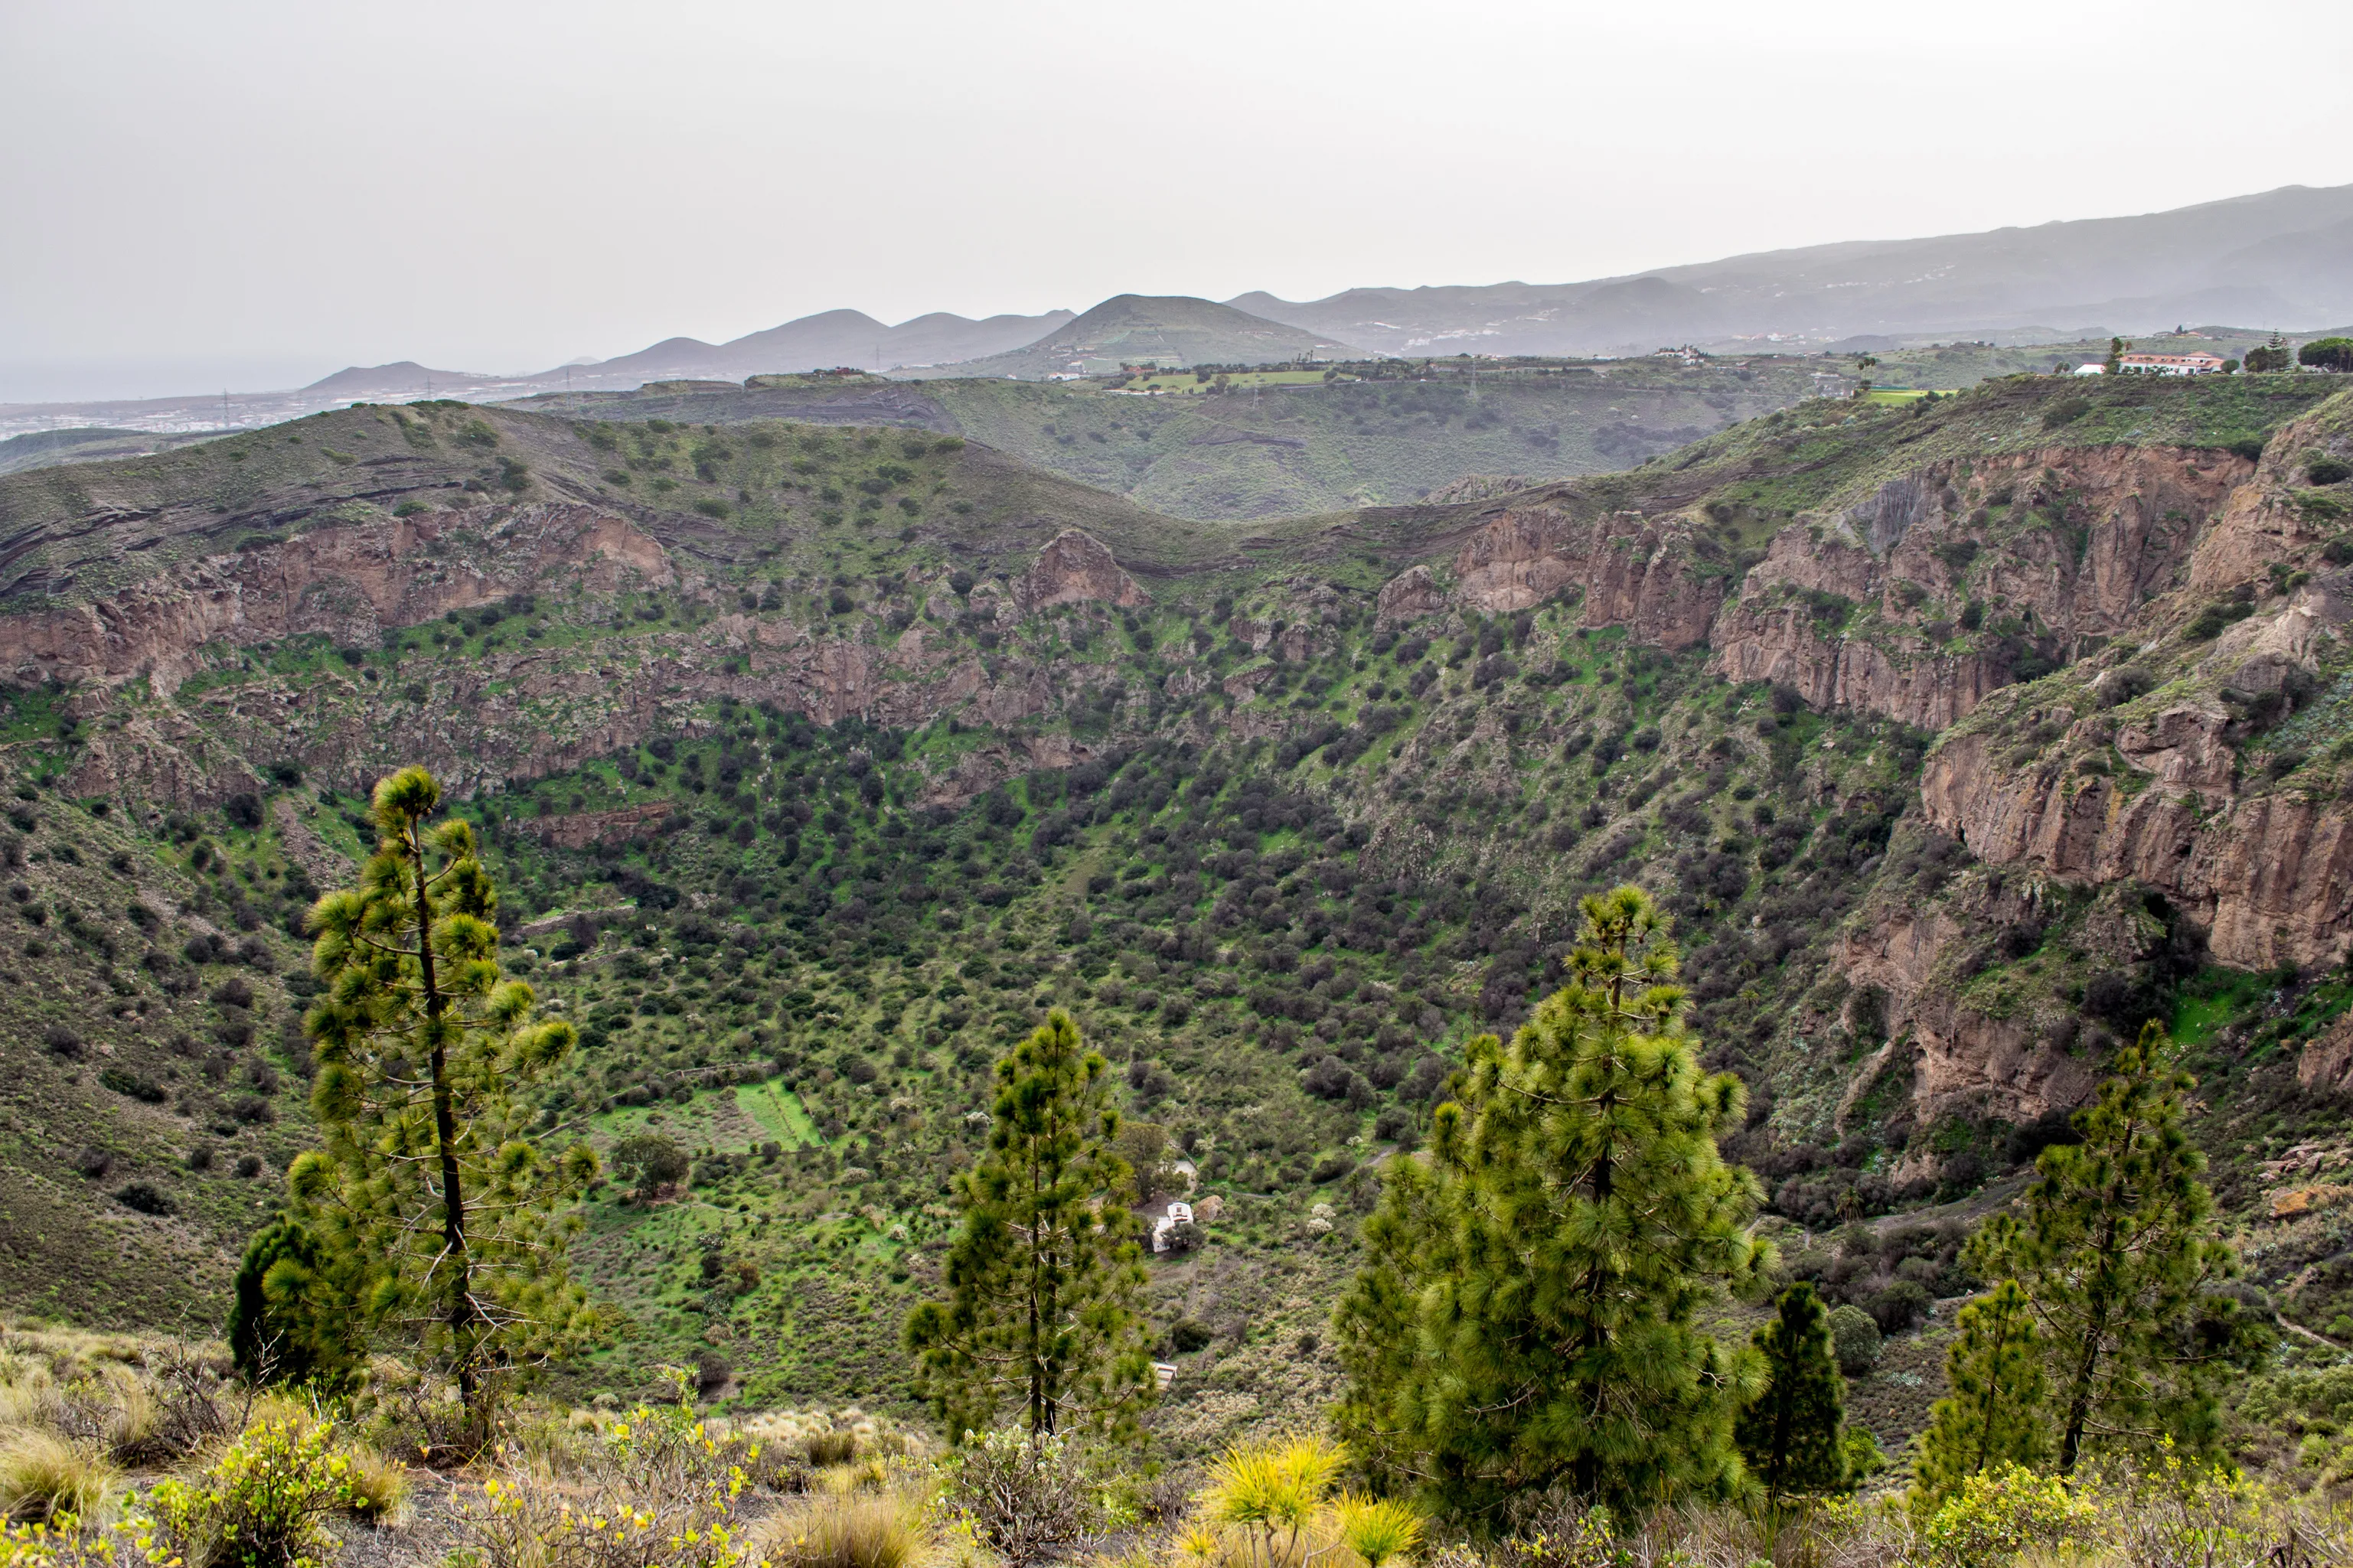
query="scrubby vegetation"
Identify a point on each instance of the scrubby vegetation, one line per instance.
(1287, 877)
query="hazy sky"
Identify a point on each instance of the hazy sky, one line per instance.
(257, 194)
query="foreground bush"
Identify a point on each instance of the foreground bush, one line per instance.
(64, 1544)
(263, 1504)
(1025, 1498)
(661, 1487)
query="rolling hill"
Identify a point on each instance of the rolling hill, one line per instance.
(1157, 329)
(1381, 435)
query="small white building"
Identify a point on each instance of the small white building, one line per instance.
(2197, 362)
(2091, 370)
(1178, 1213)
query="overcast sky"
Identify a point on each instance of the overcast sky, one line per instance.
(257, 194)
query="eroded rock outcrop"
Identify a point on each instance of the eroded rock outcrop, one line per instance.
(1076, 568)
(2064, 544)
(2266, 871)
(579, 829)
(347, 581)
(2006, 1053)
(1630, 571)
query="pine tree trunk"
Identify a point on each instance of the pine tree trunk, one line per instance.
(2079, 1396)
(463, 1318)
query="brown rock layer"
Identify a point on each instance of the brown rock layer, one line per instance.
(579, 829)
(348, 581)
(1631, 571)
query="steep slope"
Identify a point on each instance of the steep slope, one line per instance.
(817, 760)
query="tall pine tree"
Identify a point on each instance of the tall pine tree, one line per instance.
(1528, 1315)
(2116, 1253)
(1789, 1433)
(430, 1188)
(1998, 1412)
(1042, 1315)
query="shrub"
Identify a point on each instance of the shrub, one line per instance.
(662, 1489)
(1857, 1340)
(262, 1504)
(1026, 1498)
(1187, 1335)
(1272, 1495)
(46, 1477)
(2000, 1513)
(1378, 1529)
(66, 1544)
(1900, 1305)
(2209, 621)
(2327, 471)
(144, 1196)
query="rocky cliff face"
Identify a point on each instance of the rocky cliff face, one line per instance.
(2156, 790)
(2068, 543)
(1629, 569)
(348, 581)
(512, 713)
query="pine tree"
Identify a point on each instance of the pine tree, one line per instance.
(430, 1186)
(1789, 1433)
(1044, 1275)
(1528, 1315)
(290, 1320)
(1998, 1412)
(2116, 1252)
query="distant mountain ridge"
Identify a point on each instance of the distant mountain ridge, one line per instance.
(2283, 258)
(822, 342)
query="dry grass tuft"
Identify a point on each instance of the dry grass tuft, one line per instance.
(852, 1530)
(43, 1475)
(379, 1488)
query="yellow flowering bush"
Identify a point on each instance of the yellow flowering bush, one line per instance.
(662, 1489)
(2001, 1512)
(262, 1504)
(60, 1543)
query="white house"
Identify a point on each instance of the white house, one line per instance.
(1178, 1213)
(2199, 363)
(2091, 370)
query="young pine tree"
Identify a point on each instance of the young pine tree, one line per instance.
(430, 1188)
(290, 1319)
(1043, 1278)
(1528, 1314)
(1789, 1433)
(1998, 1412)
(2116, 1252)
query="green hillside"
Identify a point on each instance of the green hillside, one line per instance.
(1265, 446)
(880, 788)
